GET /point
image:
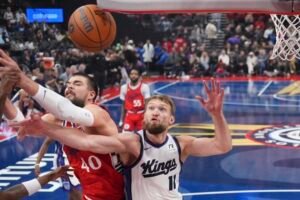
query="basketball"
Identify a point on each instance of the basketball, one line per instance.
(91, 29)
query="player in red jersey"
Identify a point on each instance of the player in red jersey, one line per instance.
(133, 95)
(96, 173)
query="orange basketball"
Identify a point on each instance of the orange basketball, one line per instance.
(92, 29)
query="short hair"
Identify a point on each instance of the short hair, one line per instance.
(136, 69)
(164, 98)
(91, 82)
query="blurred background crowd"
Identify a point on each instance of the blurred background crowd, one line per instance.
(173, 45)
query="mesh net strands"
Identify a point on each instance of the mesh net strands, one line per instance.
(287, 45)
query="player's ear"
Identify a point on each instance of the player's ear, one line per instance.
(92, 95)
(172, 120)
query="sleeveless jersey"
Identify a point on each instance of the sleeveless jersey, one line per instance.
(155, 175)
(134, 99)
(98, 178)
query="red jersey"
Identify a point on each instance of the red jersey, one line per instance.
(134, 99)
(98, 178)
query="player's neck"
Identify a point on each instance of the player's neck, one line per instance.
(157, 139)
(134, 84)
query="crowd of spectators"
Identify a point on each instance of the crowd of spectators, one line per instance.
(186, 48)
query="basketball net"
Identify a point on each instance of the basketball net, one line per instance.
(287, 45)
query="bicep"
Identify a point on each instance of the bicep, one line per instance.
(193, 146)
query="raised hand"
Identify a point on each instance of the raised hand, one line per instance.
(8, 65)
(9, 78)
(215, 95)
(7, 61)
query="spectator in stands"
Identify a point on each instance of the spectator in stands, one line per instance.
(9, 16)
(261, 61)
(211, 32)
(148, 54)
(251, 63)
(204, 61)
(224, 58)
(241, 66)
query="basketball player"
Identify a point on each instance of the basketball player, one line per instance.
(152, 157)
(8, 80)
(133, 95)
(96, 173)
(13, 114)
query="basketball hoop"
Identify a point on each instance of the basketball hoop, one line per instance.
(287, 45)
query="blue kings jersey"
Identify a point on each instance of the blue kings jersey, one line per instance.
(155, 175)
(69, 181)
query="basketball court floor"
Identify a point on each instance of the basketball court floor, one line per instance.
(264, 163)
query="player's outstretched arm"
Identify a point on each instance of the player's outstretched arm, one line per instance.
(72, 137)
(30, 187)
(221, 143)
(54, 103)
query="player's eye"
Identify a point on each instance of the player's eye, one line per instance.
(151, 107)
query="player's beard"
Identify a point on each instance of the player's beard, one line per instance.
(78, 102)
(154, 129)
(134, 81)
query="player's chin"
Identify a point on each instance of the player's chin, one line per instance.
(70, 96)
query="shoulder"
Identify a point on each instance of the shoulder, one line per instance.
(97, 110)
(132, 142)
(129, 137)
(184, 140)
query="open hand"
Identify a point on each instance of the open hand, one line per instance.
(33, 126)
(9, 78)
(215, 95)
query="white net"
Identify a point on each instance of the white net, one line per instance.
(287, 45)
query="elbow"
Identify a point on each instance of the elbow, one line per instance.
(224, 148)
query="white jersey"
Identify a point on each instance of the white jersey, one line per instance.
(155, 175)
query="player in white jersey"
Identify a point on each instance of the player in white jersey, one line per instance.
(156, 173)
(151, 158)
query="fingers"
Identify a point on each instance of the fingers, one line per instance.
(222, 94)
(213, 84)
(21, 136)
(201, 100)
(5, 62)
(207, 90)
(5, 55)
(218, 87)
(20, 124)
